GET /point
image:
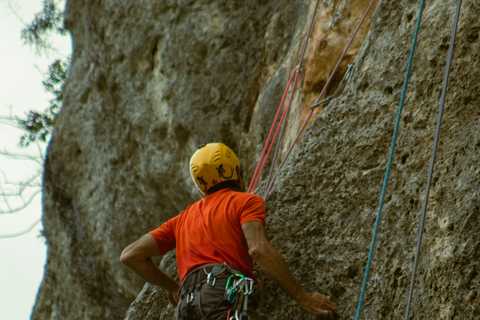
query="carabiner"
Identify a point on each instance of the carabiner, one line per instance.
(230, 298)
(238, 283)
(209, 280)
(348, 72)
(228, 282)
(229, 278)
(236, 315)
(248, 288)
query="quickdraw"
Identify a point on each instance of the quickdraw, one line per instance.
(272, 177)
(340, 86)
(237, 292)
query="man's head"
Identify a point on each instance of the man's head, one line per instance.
(212, 164)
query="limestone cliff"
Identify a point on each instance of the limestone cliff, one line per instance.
(152, 79)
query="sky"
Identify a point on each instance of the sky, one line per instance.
(22, 258)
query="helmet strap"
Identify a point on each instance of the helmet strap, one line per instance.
(239, 181)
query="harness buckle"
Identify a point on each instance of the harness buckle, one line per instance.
(211, 282)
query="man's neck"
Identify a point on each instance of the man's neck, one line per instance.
(232, 188)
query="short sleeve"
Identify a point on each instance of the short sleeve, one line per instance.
(165, 236)
(253, 210)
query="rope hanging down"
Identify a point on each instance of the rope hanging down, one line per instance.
(297, 78)
(434, 151)
(390, 157)
(259, 169)
(271, 180)
(265, 153)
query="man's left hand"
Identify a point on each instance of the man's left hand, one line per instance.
(172, 297)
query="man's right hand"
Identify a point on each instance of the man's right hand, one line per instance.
(273, 265)
(318, 305)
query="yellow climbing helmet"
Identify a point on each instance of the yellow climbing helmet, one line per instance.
(211, 164)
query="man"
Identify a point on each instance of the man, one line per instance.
(217, 239)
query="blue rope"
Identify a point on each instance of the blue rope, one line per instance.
(434, 151)
(387, 173)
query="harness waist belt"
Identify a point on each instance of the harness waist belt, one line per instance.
(206, 273)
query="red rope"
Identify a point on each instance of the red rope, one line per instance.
(282, 125)
(265, 154)
(270, 183)
(297, 78)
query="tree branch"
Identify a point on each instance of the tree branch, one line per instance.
(18, 156)
(20, 208)
(21, 233)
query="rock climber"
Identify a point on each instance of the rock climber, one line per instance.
(217, 239)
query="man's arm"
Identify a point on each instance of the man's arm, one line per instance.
(274, 266)
(138, 257)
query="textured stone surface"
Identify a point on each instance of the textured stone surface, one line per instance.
(150, 80)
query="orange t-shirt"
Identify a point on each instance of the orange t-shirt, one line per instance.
(210, 231)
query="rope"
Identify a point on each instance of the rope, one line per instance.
(265, 154)
(271, 181)
(287, 108)
(390, 157)
(434, 151)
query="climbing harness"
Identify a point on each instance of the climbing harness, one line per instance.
(271, 178)
(238, 288)
(196, 278)
(390, 157)
(434, 151)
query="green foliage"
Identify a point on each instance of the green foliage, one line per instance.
(48, 21)
(56, 81)
(39, 126)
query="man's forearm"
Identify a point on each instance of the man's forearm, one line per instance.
(137, 257)
(149, 272)
(273, 265)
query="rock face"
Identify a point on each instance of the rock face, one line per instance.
(152, 79)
